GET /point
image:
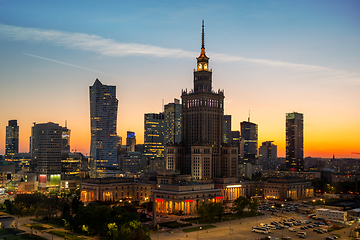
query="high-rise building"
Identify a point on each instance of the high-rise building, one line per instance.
(268, 155)
(103, 118)
(227, 129)
(295, 141)
(172, 112)
(154, 135)
(200, 153)
(65, 139)
(46, 154)
(130, 141)
(71, 164)
(249, 138)
(12, 139)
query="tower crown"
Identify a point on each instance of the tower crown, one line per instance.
(202, 60)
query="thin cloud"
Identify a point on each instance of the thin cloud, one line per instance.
(110, 47)
(68, 64)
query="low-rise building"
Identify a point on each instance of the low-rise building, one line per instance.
(331, 215)
(115, 189)
(177, 193)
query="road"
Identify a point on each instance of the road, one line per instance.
(241, 229)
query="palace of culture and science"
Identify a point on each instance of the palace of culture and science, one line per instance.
(202, 153)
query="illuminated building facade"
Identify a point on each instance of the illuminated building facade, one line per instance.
(176, 193)
(154, 135)
(12, 139)
(103, 118)
(249, 137)
(46, 154)
(71, 164)
(295, 141)
(22, 161)
(115, 189)
(172, 122)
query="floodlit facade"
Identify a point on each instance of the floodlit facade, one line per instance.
(176, 193)
(295, 141)
(103, 118)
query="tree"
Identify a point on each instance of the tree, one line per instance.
(8, 206)
(254, 205)
(219, 209)
(113, 230)
(206, 211)
(240, 204)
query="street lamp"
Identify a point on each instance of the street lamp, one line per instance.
(313, 203)
(198, 232)
(282, 229)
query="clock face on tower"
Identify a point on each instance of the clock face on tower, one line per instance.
(200, 66)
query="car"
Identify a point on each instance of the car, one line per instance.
(319, 231)
(302, 228)
(292, 229)
(301, 236)
(311, 226)
(329, 238)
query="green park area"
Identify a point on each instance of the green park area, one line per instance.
(38, 226)
(66, 235)
(8, 231)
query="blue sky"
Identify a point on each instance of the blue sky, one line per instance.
(271, 57)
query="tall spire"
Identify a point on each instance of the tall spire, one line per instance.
(202, 53)
(203, 36)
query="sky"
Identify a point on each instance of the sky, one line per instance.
(269, 57)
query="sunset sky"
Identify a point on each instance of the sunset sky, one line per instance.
(270, 57)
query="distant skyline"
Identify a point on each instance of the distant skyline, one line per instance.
(270, 57)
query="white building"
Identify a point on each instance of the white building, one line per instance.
(331, 215)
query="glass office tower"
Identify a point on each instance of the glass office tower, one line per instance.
(103, 118)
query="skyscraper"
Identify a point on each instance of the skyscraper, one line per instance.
(154, 135)
(249, 138)
(65, 139)
(203, 114)
(227, 129)
(12, 139)
(295, 141)
(172, 122)
(46, 142)
(130, 141)
(103, 118)
(200, 153)
(268, 155)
